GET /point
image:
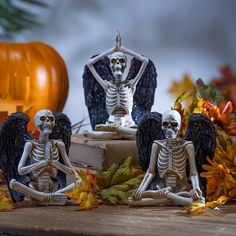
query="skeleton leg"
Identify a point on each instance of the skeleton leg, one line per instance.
(40, 197)
(69, 187)
(182, 198)
(117, 128)
(149, 202)
(111, 131)
(102, 135)
(163, 197)
(179, 200)
(127, 130)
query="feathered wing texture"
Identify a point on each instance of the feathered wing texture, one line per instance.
(13, 136)
(149, 130)
(94, 94)
(145, 90)
(201, 132)
(62, 130)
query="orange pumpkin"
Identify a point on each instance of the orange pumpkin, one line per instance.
(33, 76)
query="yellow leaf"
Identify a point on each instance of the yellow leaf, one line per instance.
(89, 201)
(201, 208)
(6, 203)
(84, 193)
(185, 86)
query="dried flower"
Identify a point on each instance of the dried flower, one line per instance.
(226, 84)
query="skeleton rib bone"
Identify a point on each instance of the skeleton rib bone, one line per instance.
(119, 93)
(169, 158)
(44, 164)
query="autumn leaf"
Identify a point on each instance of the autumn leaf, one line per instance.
(186, 87)
(84, 193)
(208, 93)
(6, 203)
(226, 84)
(118, 181)
(200, 208)
(183, 113)
(220, 173)
(104, 177)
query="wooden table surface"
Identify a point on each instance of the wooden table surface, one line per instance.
(119, 220)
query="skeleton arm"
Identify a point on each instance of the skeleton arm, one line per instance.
(149, 175)
(22, 169)
(196, 191)
(92, 61)
(67, 168)
(141, 58)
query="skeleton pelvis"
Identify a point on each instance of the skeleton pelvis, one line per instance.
(172, 179)
(120, 111)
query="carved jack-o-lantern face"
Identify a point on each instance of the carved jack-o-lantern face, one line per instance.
(33, 76)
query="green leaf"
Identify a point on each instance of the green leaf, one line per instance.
(118, 181)
(36, 3)
(16, 17)
(208, 93)
(104, 177)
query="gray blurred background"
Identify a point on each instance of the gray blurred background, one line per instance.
(180, 36)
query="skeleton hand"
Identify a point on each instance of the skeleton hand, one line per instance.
(49, 161)
(196, 193)
(137, 194)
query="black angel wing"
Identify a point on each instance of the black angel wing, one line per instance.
(145, 90)
(201, 132)
(94, 94)
(149, 129)
(62, 130)
(13, 136)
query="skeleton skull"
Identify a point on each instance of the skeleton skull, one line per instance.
(44, 121)
(171, 122)
(118, 63)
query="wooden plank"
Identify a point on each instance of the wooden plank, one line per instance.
(119, 220)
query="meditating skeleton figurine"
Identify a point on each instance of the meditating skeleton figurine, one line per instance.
(108, 94)
(37, 168)
(171, 159)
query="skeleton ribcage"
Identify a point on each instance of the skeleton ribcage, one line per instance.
(40, 152)
(171, 164)
(119, 100)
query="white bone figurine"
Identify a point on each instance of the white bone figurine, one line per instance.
(44, 164)
(119, 93)
(168, 160)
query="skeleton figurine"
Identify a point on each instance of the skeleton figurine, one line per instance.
(169, 160)
(108, 94)
(37, 168)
